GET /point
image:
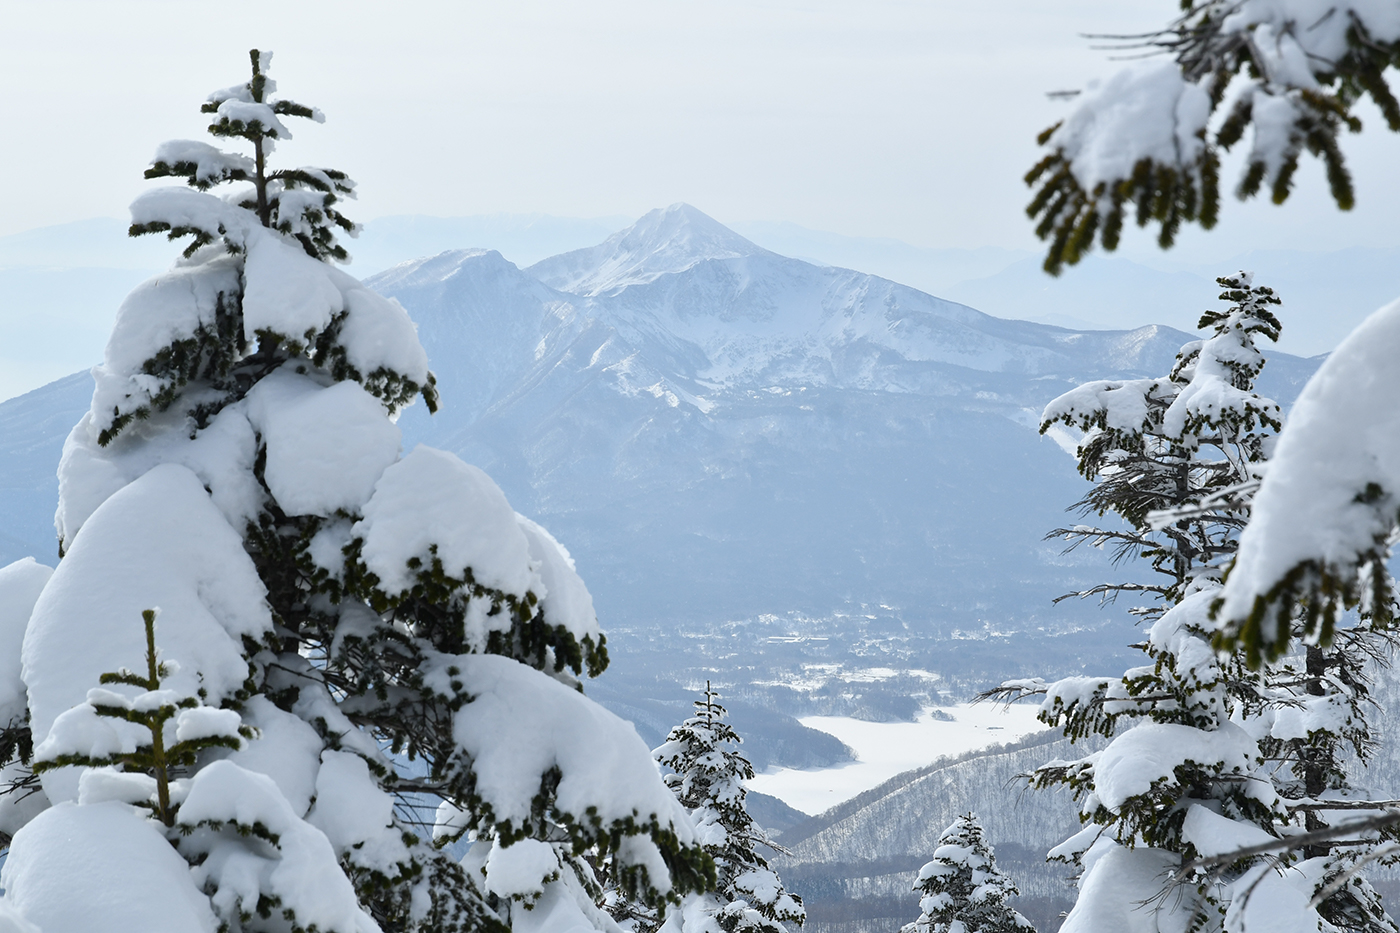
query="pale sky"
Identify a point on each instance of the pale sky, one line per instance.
(912, 119)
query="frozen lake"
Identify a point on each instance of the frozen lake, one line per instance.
(885, 749)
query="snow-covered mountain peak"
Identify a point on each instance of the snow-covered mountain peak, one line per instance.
(663, 241)
(442, 267)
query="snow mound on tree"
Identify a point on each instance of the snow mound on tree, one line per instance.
(54, 864)
(566, 599)
(326, 447)
(605, 767)
(158, 542)
(286, 749)
(1213, 834)
(288, 295)
(354, 812)
(1152, 751)
(288, 292)
(1120, 891)
(302, 874)
(222, 456)
(1147, 111)
(20, 586)
(429, 504)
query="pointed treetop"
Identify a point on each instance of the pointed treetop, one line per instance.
(299, 202)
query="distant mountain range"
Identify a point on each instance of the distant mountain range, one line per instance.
(721, 432)
(771, 472)
(60, 286)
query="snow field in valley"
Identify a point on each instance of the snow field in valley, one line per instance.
(885, 749)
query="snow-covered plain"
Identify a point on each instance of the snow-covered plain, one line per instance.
(885, 749)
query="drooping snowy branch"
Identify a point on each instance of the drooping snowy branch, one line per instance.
(1147, 141)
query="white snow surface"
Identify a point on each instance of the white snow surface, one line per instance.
(304, 872)
(1120, 891)
(429, 498)
(249, 112)
(99, 785)
(286, 749)
(1343, 434)
(1214, 834)
(165, 309)
(885, 749)
(520, 870)
(326, 446)
(377, 332)
(1151, 751)
(80, 731)
(12, 922)
(157, 543)
(566, 599)
(212, 164)
(287, 291)
(355, 814)
(181, 208)
(1276, 900)
(1122, 403)
(562, 908)
(20, 586)
(18, 809)
(169, 307)
(207, 722)
(73, 864)
(222, 456)
(1146, 111)
(604, 763)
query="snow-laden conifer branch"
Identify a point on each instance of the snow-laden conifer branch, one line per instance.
(1147, 142)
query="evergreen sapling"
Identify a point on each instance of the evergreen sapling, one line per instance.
(707, 774)
(962, 889)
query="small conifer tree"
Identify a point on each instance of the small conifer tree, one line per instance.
(707, 775)
(962, 890)
(74, 740)
(1187, 443)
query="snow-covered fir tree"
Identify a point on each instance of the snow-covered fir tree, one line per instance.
(1209, 754)
(1147, 142)
(1187, 444)
(349, 637)
(961, 888)
(707, 774)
